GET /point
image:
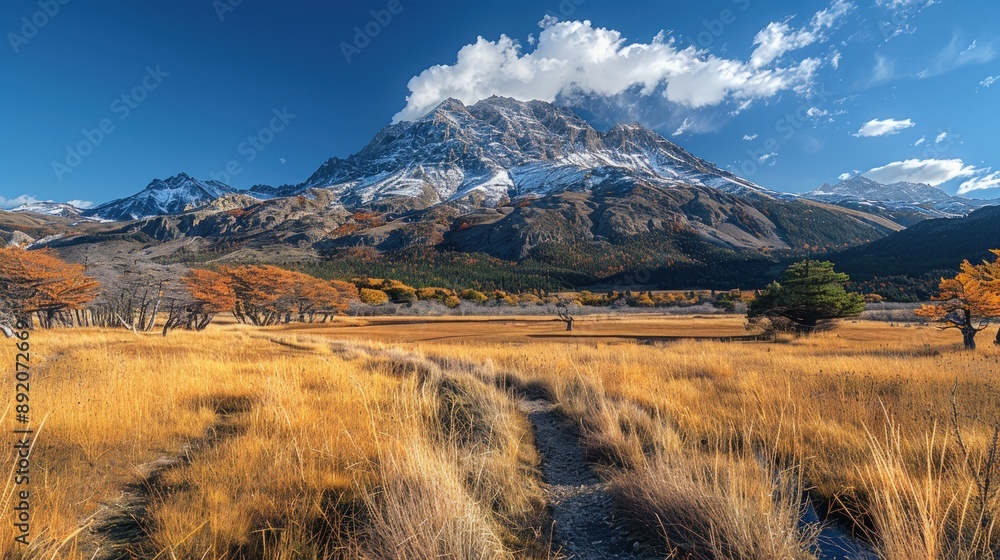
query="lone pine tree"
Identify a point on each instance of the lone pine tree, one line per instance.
(809, 292)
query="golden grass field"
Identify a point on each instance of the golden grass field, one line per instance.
(402, 438)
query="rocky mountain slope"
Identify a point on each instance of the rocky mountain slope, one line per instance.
(495, 151)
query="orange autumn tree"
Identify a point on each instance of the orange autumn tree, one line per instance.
(40, 283)
(265, 295)
(269, 295)
(314, 297)
(967, 301)
(208, 294)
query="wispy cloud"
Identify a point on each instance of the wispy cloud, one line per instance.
(930, 171)
(835, 57)
(954, 56)
(899, 15)
(985, 181)
(779, 38)
(989, 81)
(885, 127)
(884, 70)
(749, 137)
(684, 127)
(921, 141)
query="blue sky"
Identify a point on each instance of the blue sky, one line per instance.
(100, 97)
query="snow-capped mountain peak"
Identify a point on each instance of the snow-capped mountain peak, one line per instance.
(863, 188)
(49, 208)
(503, 148)
(163, 196)
(478, 155)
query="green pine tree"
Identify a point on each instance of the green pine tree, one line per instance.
(809, 292)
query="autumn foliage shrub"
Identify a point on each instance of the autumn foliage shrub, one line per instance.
(474, 296)
(373, 297)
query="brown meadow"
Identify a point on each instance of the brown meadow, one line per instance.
(401, 438)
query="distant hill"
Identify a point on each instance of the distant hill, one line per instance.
(931, 245)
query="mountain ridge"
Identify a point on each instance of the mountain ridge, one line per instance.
(906, 203)
(496, 150)
(518, 182)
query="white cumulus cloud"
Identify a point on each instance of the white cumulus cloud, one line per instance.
(985, 181)
(886, 127)
(749, 137)
(940, 137)
(81, 204)
(921, 141)
(577, 57)
(930, 171)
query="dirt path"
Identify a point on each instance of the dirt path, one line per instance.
(120, 530)
(121, 526)
(581, 504)
(582, 509)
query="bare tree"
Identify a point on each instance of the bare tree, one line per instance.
(565, 317)
(134, 292)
